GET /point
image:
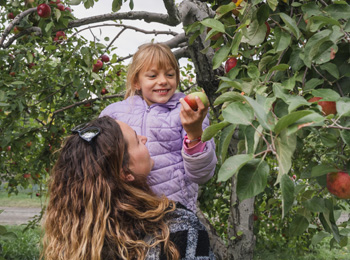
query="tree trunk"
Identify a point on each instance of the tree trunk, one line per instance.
(241, 213)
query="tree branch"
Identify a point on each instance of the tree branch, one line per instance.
(137, 15)
(15, 21)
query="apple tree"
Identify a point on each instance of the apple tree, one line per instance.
(259, 62)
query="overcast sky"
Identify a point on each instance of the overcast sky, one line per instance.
(130, 40)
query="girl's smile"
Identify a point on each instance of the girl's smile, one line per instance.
(157, 84)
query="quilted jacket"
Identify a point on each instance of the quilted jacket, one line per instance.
(175, 173)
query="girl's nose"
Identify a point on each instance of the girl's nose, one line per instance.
(143, 139)
(161, 79)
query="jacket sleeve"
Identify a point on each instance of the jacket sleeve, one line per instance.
(200, 167)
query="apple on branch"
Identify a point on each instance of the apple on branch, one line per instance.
(97, 66)
(61, 7)
(191, 100)
(328, 107)
(105, 58)
(10, 16)
(216, 36)
(44, 10)
(338, 183)
(230, 64)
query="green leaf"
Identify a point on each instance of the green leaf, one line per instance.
(220, 56)
(329, 140)
(252, 179)
(254, 34)
(214, 24)
(312, 46)
(315, 204)
(291, 24)
(253, 71)
(260, 113)
(212, 130)
(273, 4)
(298, 225)
(116, 5)
(343, 107)
(224, 9)
(285, 147)
(235, 43)
(331, 68)
(322, 169)
(289, 119)
(287, 188)
(74, 2)
(224, 142)
(313, 83)
(326, 94)
(280, 67)
(238, 113)
(338, 11)
(232, 165)
(283, 39)
(318, 237)
(228, 96)
(131, 5)
(345, 135)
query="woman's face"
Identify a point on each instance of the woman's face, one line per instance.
(140, 161)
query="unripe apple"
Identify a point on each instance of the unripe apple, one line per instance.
(338, 183)
(105, 58)
(230, 64)
(328, 107)
(191, 101)
(43, 10)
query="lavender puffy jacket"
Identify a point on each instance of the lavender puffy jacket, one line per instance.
(175, 173)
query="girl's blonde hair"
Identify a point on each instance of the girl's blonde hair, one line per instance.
(93, 213)
(147, 55)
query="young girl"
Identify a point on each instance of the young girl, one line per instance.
(153, 109)
(100, 206)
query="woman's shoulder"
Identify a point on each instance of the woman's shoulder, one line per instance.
(189, 234)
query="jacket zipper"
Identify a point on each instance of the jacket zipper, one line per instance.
(143, 130)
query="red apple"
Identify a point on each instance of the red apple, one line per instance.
(8, 148)
(12, 73)
(87, 105)
(10, 16)
(37, 194)
(16, 30)
(97, 66)
(191, 101)
(43, 10)
(104, 91)
(26, 175)
(216, 36)
(255, 217)
(230, 64)
(328, 107)
(105, 58)
(29, 144)
(31, 65)
(268, 29)
(61, 7)
(338, 183)
(68, 9)
(60, 36)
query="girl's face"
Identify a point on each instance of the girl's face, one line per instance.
(140, 161)
(157, 85)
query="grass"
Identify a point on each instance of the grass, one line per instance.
(25, 198)
(23, 247)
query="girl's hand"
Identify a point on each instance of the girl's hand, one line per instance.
(192, 120)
